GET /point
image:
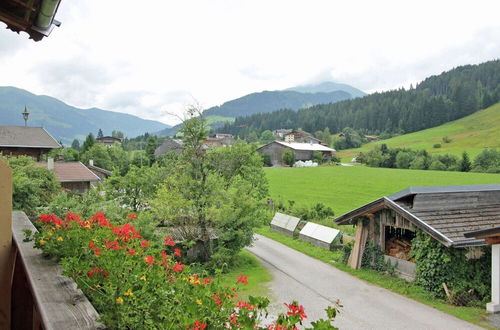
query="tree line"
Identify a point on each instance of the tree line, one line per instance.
(438, 99)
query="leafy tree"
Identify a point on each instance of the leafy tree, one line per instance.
(33, 185)
(487, 161)
(207, 190)
(288, 157)
(266, 159)
(88, 143)
(465, 163)
(99, 153)
(403, 159)
(75, 145)
(317, 157)
(117, 134)
(100, 134)
(267, 136)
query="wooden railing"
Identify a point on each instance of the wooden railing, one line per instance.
(41, 297)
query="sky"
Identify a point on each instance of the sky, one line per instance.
(154, 58)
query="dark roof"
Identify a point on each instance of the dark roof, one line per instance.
(446, 213)
(26, 137)
(72, 172)
(98, 169)
(108, 138)
(495, 231)
(169, 145)
(27, 16)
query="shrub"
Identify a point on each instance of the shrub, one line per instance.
(437, 145)
(288, 157)
(266, 159)
(447, 139)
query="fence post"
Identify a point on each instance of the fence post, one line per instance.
(6, 249)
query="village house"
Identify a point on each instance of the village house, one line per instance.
(280, 133)
(29, 141)
(300, 137)
(446, 213)
(169, 145)
(301, 151)
(108, 141)
(73, 176)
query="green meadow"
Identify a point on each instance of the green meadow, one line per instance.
(344, 188)
(472, 134)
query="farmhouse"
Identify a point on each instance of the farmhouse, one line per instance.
(73, 176)
(302, 151)
(108, 141)
(445, 213)
(29, 141)
(100, 172)
(301, 137)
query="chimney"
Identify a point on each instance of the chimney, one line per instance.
(50, 163)
(91, 162)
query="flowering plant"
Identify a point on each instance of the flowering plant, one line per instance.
(137, 284)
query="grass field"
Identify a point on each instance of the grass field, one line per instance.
(344, 188)
(472, 134)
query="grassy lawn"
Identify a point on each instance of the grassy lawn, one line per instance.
(472, 134)
(469, 314)
(247, 264)
(345, 188)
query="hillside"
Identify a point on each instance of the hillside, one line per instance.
(472, 134)
(344, 188)
(65, 122)
(268, 101)
(436, 100)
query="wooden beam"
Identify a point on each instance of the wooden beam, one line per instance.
(12, 22)
(6, 249)
(492, 240)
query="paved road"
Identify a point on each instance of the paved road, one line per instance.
(317, 285)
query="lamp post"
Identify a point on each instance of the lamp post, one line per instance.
(25, 116)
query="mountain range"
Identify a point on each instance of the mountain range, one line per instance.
(268, 101)
(65, 122)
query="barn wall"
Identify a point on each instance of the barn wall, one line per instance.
(76, 187)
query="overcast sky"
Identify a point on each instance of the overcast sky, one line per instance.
(150, 58)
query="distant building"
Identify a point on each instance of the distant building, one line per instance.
(170, 145)
(372, 138)
(29, 141)
(219, 140)
(109, 140)
(73, 176)
(301, 137)
(280, 133)
(302, 151)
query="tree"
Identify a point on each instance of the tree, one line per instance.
(88, 143)
(212, 190)
(100, 134)
(150, 148)
(117, 134)
(288, 157)
(465, 163)
(99, 153)
(267, 136)
(75, 145)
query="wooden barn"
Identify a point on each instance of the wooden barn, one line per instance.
(302, 151)
(446, 213)
(170, 145)
(28, 141)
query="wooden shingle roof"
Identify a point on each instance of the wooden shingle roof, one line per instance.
(26, 137)
(446, 213)
(72, 172)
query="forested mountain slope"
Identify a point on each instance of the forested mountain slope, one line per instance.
(438, 99)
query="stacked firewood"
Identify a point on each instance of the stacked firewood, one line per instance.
(398, 248)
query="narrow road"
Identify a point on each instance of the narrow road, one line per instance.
(317, 285)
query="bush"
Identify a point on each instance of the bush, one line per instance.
(437, 145)
(288, 157)
(266, 159)
(447, 139)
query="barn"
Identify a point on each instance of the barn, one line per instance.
(445, 213)
(302, 151)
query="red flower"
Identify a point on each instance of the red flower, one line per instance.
(97, 271)
(71, 217)
(169, 241)
(131, 216)
(207, 281)
(150, 260)
(126, 232)
(216, 298)
(178, 267)
(177, 252)
(50, 218)
(113, 245)
(97, 251)
(242, 279)
(233, 319)
(295, 309)
(164, 258)
(131, 252)
(145, 244)
(244, 304)
(199, 326)
(101, 219)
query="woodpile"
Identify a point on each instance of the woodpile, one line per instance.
(398, 248)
